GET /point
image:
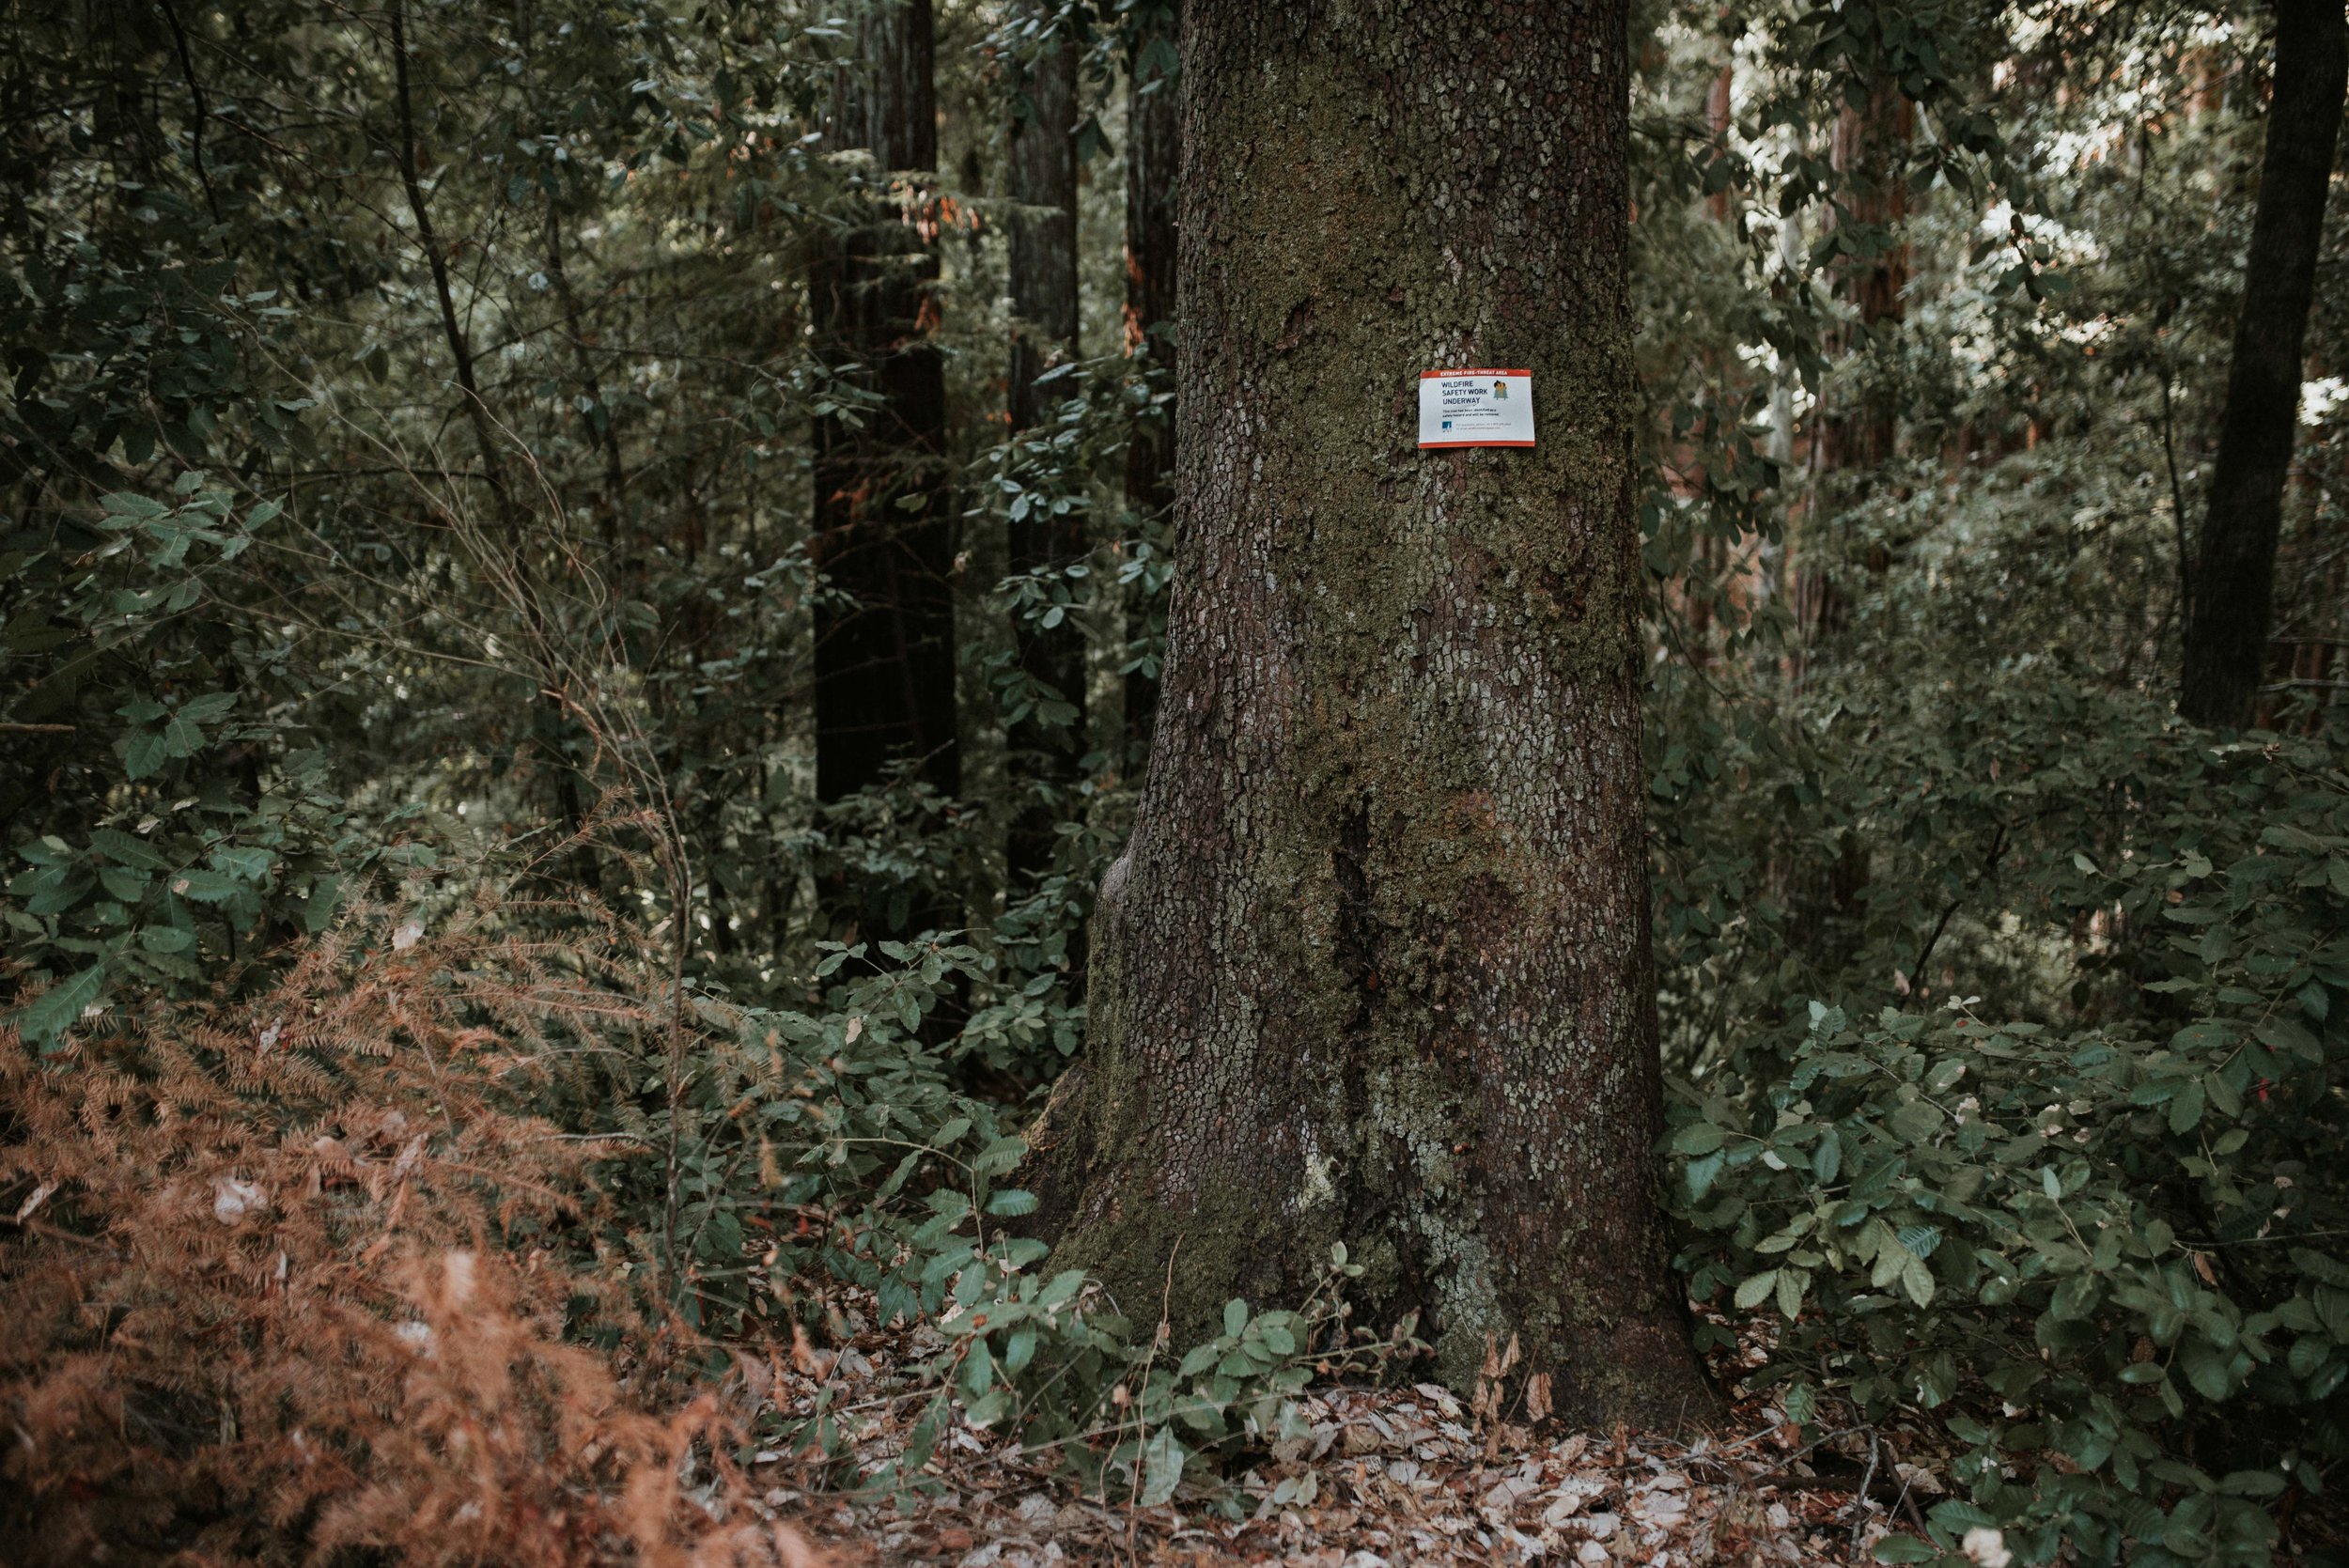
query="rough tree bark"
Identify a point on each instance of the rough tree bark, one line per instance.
(884, 528)
(1153, 166)
(2235, 576)
(1043, 267)
(1375, 967)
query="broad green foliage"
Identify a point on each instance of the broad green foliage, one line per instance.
(1050, 1359)
(843, 1112)
(189, 830)
(2115, 1242)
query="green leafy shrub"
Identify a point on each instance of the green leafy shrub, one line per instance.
(169, 820)
(846, 1112)
(2102, 1255)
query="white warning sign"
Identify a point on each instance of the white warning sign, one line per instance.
(1476, 408)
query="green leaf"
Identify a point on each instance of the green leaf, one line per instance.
(52, 1013)
(1234, 1316)
(2206, 1369)
(204, 887)
(1062, 1286)
(1001, 1156)
(2330, 1270)
(1697, 1137)
(165, 939)
(1163, 1459)
(123, 850)
(245, 863)
(143, 754)
(2286, 1037)
(121, 884)
(180, 737)
(1755, 1290)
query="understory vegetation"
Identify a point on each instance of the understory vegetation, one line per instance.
(452, 1053)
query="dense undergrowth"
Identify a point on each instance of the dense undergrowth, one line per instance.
(422, 1249)
(313, 1273)
(2102, 1248)
(459, 1218)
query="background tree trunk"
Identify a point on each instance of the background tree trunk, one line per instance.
(1043, 264)
(1043, 226)
(1867, 152)
(884, 527)
(1154, 168)
(1375, 967)
(2235, 576)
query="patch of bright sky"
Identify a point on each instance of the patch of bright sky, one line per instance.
(2071, 246)
(2323, 400)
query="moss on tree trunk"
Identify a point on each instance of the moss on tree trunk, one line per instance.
(1375, 967)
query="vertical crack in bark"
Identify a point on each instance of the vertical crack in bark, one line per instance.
(1359, 941)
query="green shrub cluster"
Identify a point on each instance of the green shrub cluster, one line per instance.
(188, 824)
(845, 1110)
(2107, 1256)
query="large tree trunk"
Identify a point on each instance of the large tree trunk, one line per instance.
(2234, 577)
(1044, 334)
(884, 525)
(1375, 967)
(1154, 167)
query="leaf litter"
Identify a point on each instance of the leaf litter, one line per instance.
(1381, 1476)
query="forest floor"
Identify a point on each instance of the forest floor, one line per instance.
(1389, 1476)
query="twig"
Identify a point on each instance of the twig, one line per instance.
(42, 1227)
(1141, 1443)
(1989, 863)
(1859, 1499)
(476, 409)
(2177, 504)
(195, 92)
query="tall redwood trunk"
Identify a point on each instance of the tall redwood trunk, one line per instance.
(1375, 967)
(2233, 584)
(1043, 267)
(1866, 154)
(1043, 226)
(1154, 167)
(885, 524)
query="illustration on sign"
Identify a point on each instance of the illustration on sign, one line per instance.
(1476, 408)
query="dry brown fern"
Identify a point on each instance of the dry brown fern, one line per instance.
(287, 1279)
